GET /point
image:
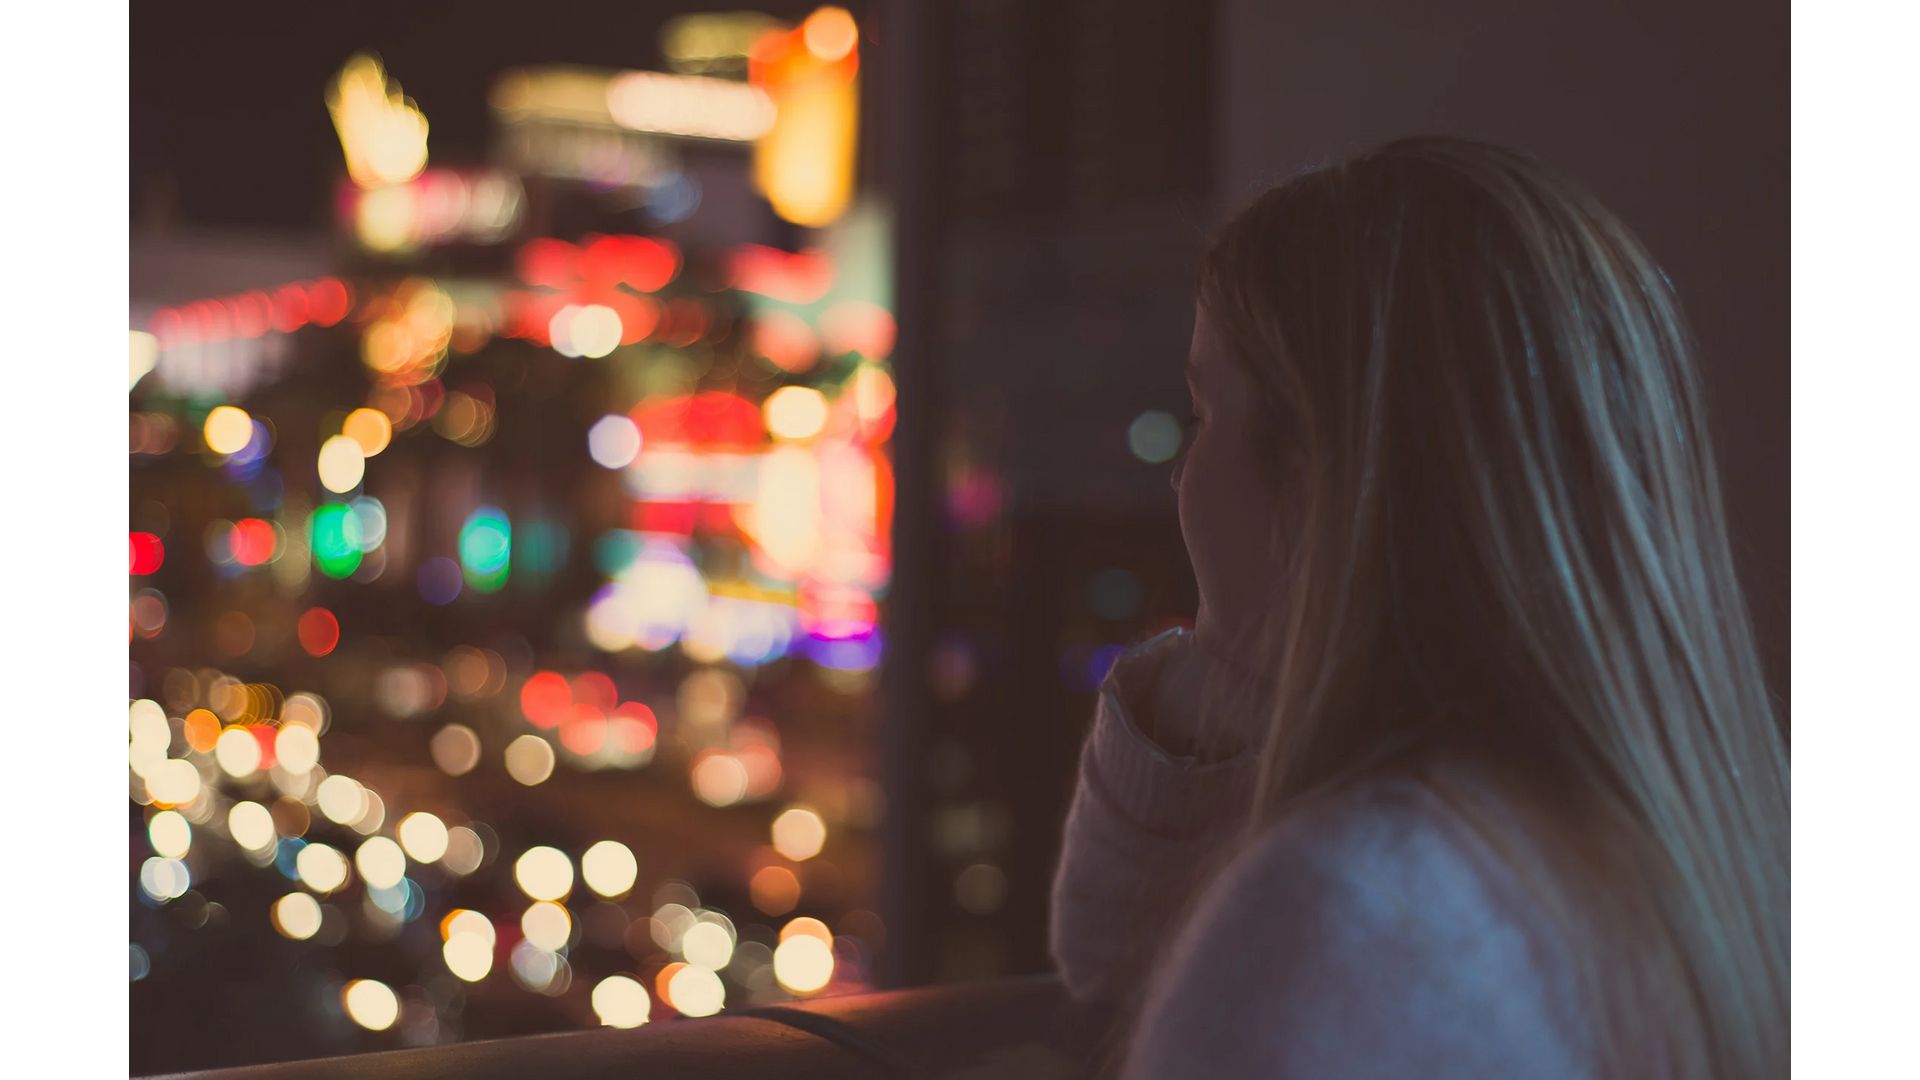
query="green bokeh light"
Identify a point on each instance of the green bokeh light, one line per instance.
(486, 548)
(335, 533)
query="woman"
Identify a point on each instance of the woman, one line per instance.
(1467, 768)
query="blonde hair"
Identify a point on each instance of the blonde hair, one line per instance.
(1513, 553)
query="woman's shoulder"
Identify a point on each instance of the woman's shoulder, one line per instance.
(1364, 921)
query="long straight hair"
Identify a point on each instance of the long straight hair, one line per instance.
(1514, 553)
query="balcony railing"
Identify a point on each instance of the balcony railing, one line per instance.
(1024, 1029)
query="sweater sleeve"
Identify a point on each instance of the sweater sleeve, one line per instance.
(1144, 829)
(1361, 941)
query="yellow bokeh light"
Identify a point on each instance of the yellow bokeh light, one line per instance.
(529, 759)
(795, 412)
(370, 429)
(830, 33)
(466, 921)
(381, 862)
(296, 748)
(321, 868)
(297, 916)
(228, 429)
(144, 353)
(707, 945)
(238, 752)
(342, 464)
(803, 963)
(799, 834)
(372, 816)
(169, 834)
(175, 782)
(250, 825)
(424, 836)
(370, 1004)
(609, 868)
(147, 726)
(342, 799)
(620, 1001)
(468, 956)
(544, 873)
(382, 132)
(546, 925)
(696, 991)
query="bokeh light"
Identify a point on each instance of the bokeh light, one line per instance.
(321, 868)
(466, 852)
(695, 991)
(798, 833)
(342, 464)
(370, 429)
(774, 890)
(147, 553)
(370, 1004)
(707, 945)
(468, 956)
(342, 799)
(486, 545)
(319, 631)
(296, 748)
(1154, 437)
(530, 759)
(228, 429)
(719, 779)
(173, 783)
(620, 1001)
(455, 749)
(381, 863)
(547, 925)
(164, 879)
(296, 916)
(238, 752)
(169, 834)
(609, 868)
(424, 836)
(803, 963)
(795, 412)
(250, 825)
(544, 873)
(613, 441)
(335, 537)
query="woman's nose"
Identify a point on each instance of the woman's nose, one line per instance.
(1173, 478)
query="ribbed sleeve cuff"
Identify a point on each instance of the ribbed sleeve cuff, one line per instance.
(1165, 793)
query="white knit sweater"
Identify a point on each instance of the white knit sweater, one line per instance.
(1366, 935)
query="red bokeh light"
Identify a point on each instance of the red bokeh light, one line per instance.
(585, 731)
(635, 727)
(328, 301)
(545, 699)
(148, 553)
(251, 541)
(265, 734)
(595, 690)
(319, 631)
(289, 308)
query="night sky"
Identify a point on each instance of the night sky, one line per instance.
(229, 123)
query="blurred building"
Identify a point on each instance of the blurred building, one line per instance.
(506, 564)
